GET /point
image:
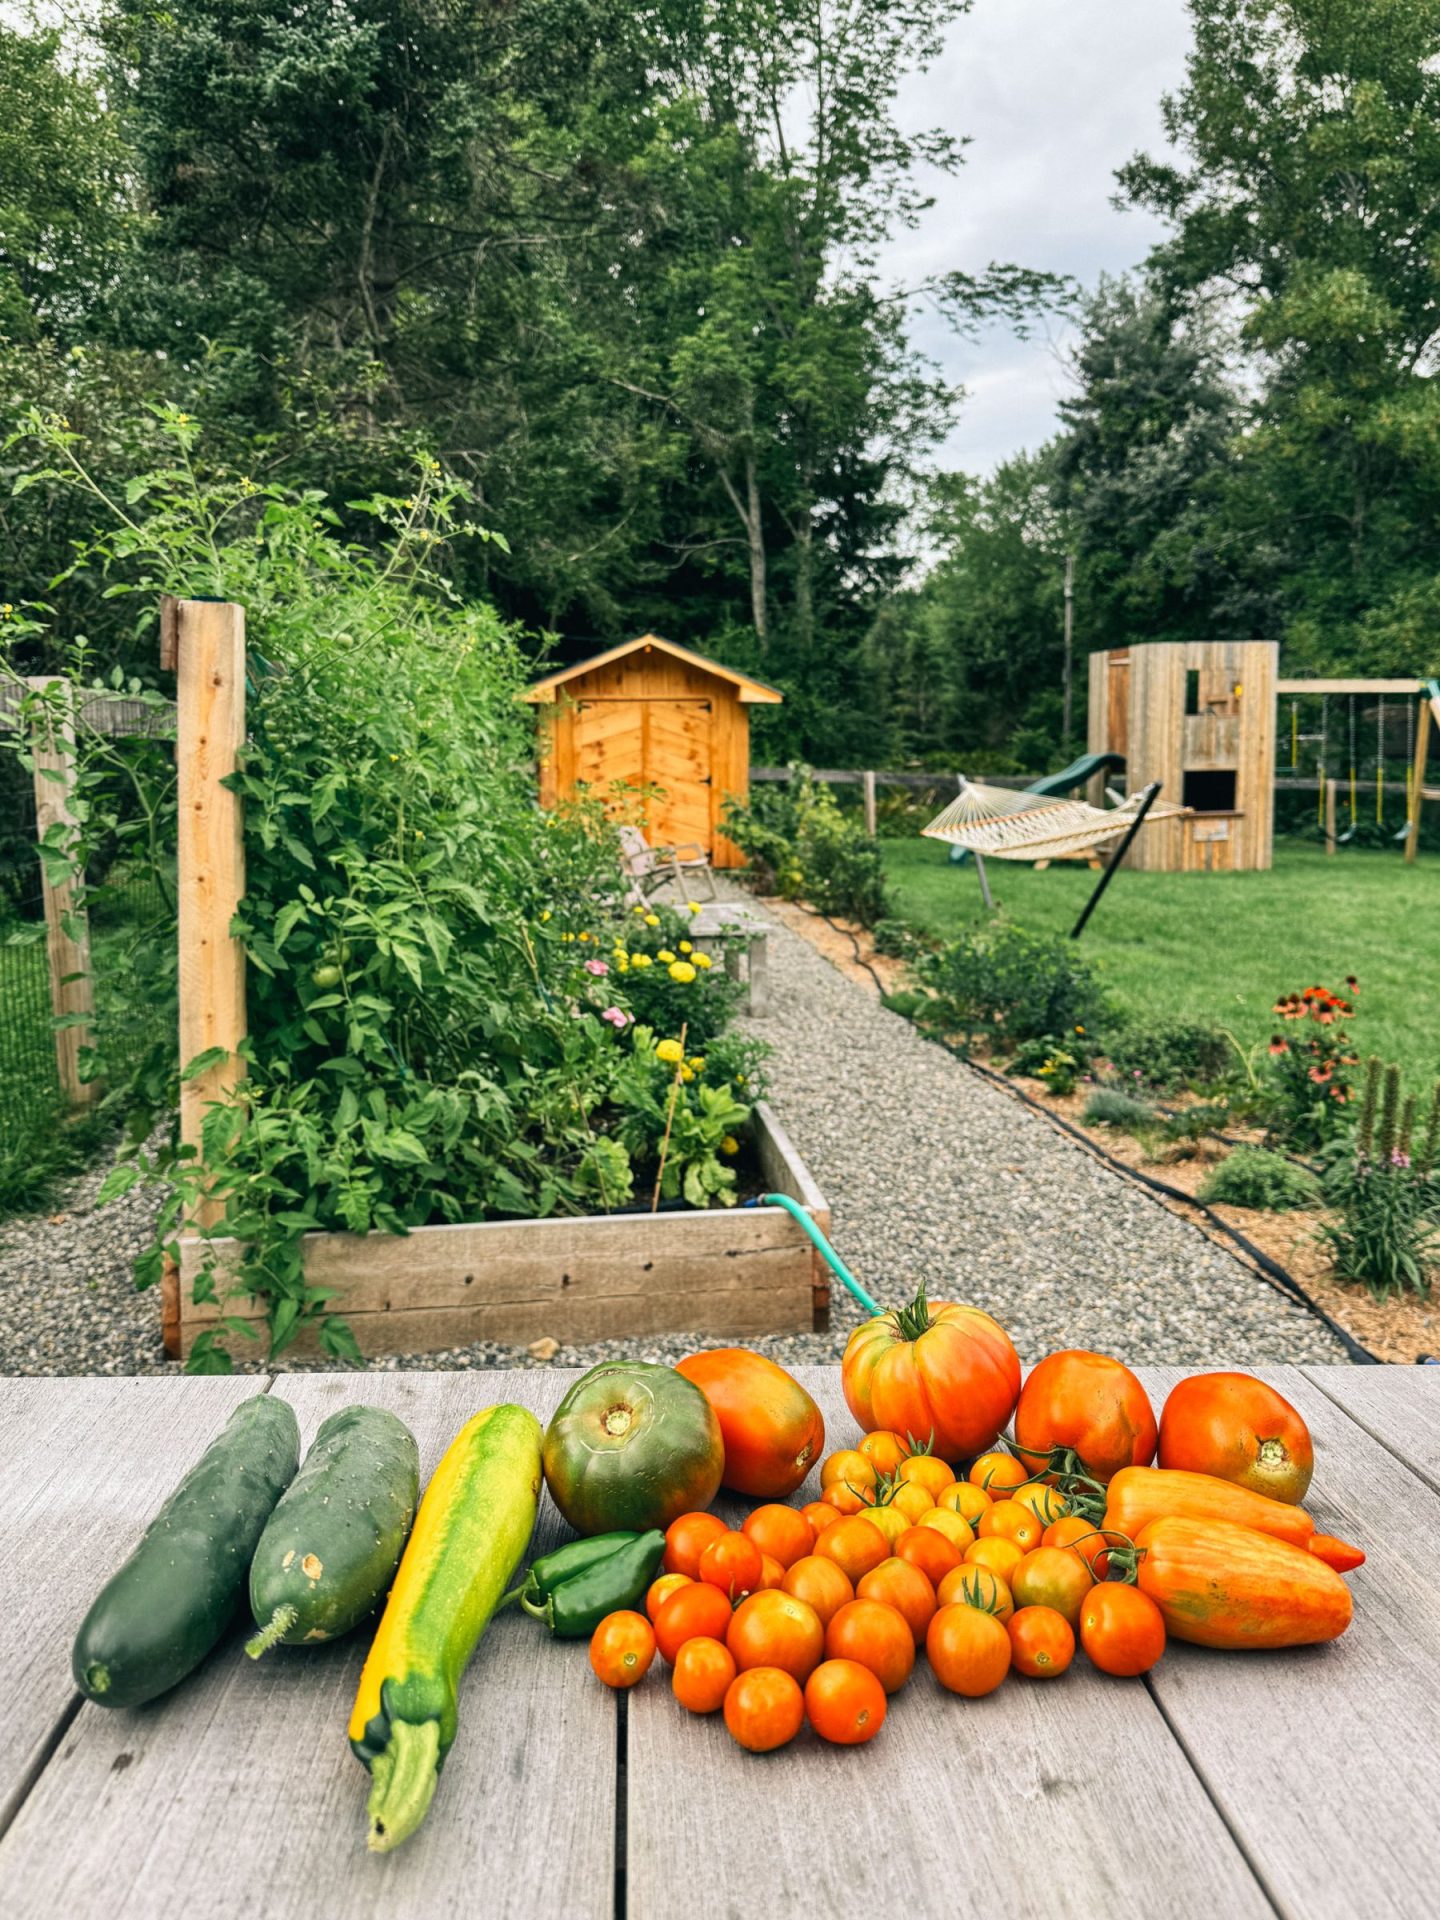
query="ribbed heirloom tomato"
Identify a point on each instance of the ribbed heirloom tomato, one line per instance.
(1090, 1404)
(845, 1703)
(946, 1374)
(1236, 1428)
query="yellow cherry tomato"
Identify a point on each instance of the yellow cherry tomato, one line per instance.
(883, 1450)
(957, 1531)
(969, 1501)
(1047, 1504)
(924, 1470)
(1000, 1556)
(911, 1500)
(848, 1468)
(891, 1522)
(1008, 1520)
(998, 1473)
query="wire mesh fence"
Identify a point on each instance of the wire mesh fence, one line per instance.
(30, 1099)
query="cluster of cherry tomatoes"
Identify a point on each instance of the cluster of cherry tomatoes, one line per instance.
(819, 1612)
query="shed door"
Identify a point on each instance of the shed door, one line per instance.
(656, 743)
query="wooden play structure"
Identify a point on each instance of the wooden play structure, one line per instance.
(652, 716)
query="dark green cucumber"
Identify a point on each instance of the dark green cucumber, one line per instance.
(158, 1617)
(328, 1550)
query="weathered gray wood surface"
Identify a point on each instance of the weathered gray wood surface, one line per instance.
(1040, 1802)
(1300, 1783)
(1322, 1759)
(238, 1795)
(84, 1464)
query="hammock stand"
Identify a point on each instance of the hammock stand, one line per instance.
(1009, 826)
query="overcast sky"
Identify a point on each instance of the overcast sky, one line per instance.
(1054, 94)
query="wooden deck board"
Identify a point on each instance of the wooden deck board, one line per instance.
(1399, 1407)
(1042, 1802)
(1322, 1759)
(84, 1464)
(237, 1794)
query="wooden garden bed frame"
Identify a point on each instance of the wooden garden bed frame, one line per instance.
(724, 1272)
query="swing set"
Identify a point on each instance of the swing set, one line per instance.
(1400, 713)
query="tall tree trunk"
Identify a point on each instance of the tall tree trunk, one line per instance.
(804, 579)
(755, 537)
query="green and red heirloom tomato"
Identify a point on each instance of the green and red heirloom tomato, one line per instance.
(632, 1446)
(945, 1375)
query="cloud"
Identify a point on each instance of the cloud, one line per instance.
(1054, 96)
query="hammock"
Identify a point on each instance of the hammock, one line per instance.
(1005, 825)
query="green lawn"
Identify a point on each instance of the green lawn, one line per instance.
(1222, 947)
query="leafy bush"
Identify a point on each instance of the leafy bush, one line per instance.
(1112, 1107)
(1183, 1133)
(804, 846)
(1385, 1191)
(896, 939)
(1265, 1182)
(1050, 1060)
(1167, 1054)
(1308, 1087)
(1009, 986)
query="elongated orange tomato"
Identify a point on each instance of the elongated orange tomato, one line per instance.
(942, 1372)
(1338, 1554)
(774, 1432)
(1138, 1495)
(1223, 1586)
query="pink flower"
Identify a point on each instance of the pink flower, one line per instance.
(597, 967)
(617, 1017)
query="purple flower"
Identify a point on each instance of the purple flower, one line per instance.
(1398, 1159)
(597, 967)
(617, 1016)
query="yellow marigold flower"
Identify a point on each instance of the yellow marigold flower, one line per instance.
(652, 919)
(582, 936)
(693, 905)
(664, 956)
(685, 947)
(704, 962)
(639, 959)
(730, 1144)
(671, 1052)
(697, 1061)
(682, 973)
(637, 909)
(686, 1074)
(622, 965)
(544, 913)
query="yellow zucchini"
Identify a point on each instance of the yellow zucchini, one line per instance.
(469, 1536)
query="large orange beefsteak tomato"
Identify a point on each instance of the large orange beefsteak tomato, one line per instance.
(1090, 1405)
(774, 1432)
(940, 1373)
(1233, 1426)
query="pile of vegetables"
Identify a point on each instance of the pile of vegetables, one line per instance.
(988, 1525)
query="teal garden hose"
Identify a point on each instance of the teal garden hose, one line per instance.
(832, 1259)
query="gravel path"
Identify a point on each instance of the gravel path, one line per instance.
(932, 1175)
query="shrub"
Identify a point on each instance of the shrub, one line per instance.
(803, 846)
(1050, 1060)
(1384, 1189)
(896, 940)
(1113, 1107)
(665, 983)
(1167, 1054)
(1182, 1133)
(1265, 1182)
(1308, 1086)
(1009, 986)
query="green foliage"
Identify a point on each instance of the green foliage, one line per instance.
(1003, 985)
(1050, 1060)
(805, 846)
(1182, 1133)
(1113, 1107)
(1167, 1054)
(1307, 1086)
(1384, 1189)
(1265, 1182)
(665, 983)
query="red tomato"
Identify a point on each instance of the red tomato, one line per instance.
(930, 1551)
(734, 1564)
(1121, 1629)
(897, 1584)
(695, 1612)
(941, 1371)
(776, 1630)
(1088, 1402)
(621, 1648)
(659, 1591)
(687, 1538)
(1051, 1577)
(782, 1532)
(968, 1651)
(1236, 1428)
(875, 1635)
(764, 1708)
(703, 1672)
(1042, 1643)
(845, 1703)
(820, 1584)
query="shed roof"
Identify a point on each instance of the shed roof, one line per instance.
(751, 691)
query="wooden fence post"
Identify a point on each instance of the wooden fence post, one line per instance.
(208, 637)
(1329, 815)
(1417, 780)
(870, 820)
(67, 932)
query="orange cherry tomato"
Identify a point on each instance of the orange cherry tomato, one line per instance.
(1051, 1577)
(776, 1630)
(1078, 1536)
(621, 1648)
(1121, 1629)
(1046, 1503)
(704, 1669)
(782, 1532)
(1042, 1642)
(968, 1651)
(966, 1499)
(976, 1587)
(913, 1500)
(687, 1538)
(950, 1526)
(734, 1564)
(848, 1466)
(764, 1708)
(890, 1520)
(928, 1550)
(877, 1636)
(845, 1703)
(659, 1591)
(925, 1470)
(998, 1474)
(820, 1584)
(1008, 1520)
(842, 1498)
(854, 1545)
(898, 1584)
(772, 1574)
(819, 1514)
(883, 1450)
(1000, 1556)
(698, 1611)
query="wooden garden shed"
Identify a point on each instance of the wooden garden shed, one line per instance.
(655, 715)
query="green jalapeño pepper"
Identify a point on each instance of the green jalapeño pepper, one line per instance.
(552, 1570)
(574, 1607)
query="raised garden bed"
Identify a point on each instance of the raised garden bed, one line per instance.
(726, 1272)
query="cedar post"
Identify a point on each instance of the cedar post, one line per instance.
(1417, 782)
(208, 640)
(67, 930)
(1329, 813)
(870, 819)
